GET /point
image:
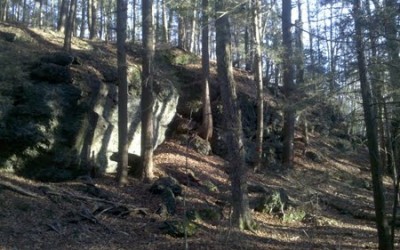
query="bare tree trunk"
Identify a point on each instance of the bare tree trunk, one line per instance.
(40, 13)
(147, 98)
(93, 21)
(207, 124)
(83, 21)
(193, 30)
(156, 22)
(311, 43)
(24, 11)
(3, 10)
(377, 90)
(134, 21)
(370, 122)
(164, 23)
(170, 21)
(69, 26)
(181, 32)
(241, 216)
(288, 84)
(122, 173)
(259, 82)
(89, 14)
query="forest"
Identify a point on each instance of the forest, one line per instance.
(212, 124)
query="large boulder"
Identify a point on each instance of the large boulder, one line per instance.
(98, 136)
(74, 127)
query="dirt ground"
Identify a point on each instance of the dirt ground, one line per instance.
(334, 193)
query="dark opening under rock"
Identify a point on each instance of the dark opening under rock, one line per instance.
(166, 182)
(59, 58)
(177, 228)
(52, 73)
(272, 203)
(8, 36)
(169, 200)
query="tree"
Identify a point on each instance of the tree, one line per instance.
(207, 123)
(3, 10)
(69, 26)
(147, 98)
(92, 18)
(164, 36)
(241, 216)
(372, 137)
(133, 21)
(83, 18)
(288, 85)
(259, 82)
(123, 146)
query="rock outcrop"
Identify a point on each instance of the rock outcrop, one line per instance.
(52, 127)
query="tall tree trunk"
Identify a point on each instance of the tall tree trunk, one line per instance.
(156, 22)
(288, 85)
(256, 9)
(69, 26)
(181, 32)
(300, 70)
(147, 98)
(193, 30)
(370, 122)
(241, 216)
(207, 124)
(376, 75)
(3, 9)
(311, 48)
(83, 21)
(62, 16)
(40, 13)
(170, 22)
(122, 173)
(134, 21)
(332, 53)
(89, 14)
(393, 50)
(93, 19)
(24, 11)
(164, 23)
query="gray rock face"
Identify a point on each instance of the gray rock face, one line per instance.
(99, 133)
(74, 126)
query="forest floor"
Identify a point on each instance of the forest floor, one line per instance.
(334, 194)
(333, 189)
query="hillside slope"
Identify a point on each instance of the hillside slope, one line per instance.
(329, 198)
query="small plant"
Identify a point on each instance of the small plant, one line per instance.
(294, 215)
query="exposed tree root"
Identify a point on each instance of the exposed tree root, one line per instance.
(18, 189)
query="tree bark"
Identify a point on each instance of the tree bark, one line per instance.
(370, 118)
(122, 173)
(259, 82)
(147, 98)
(207, 123)
(311, 48)
(93, 19)
(241, 216)
(69, 26)
(181, 32)
(193, 31)
(164, 23)
(83, 21)
(134, 21)
(288, 85)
